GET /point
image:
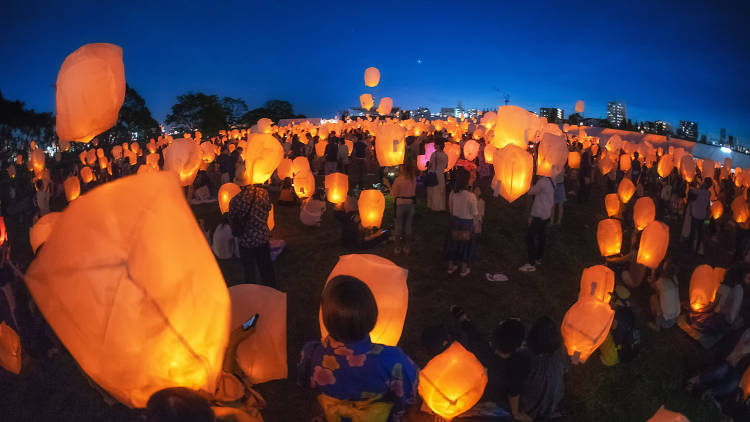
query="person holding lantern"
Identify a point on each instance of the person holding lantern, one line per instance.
(404, 191)
(541, 211)
(437, 165)
(699, 211)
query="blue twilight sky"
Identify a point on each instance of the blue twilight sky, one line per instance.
(667, 60)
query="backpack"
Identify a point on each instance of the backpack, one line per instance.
(626, 335)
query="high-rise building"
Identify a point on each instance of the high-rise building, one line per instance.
(420, 113)
(688, 130)
(553, 115)
(448, 112)
(662, 128)
(616, 113)
(723, 136)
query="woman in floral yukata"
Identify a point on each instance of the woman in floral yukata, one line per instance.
(354, 378)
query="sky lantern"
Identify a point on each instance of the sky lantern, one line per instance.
(717, 209)
(337, 185)
(227, 191)
(664, 415)
(131, 288)
(625, 163)
(704, 283)
(740, 209)
(574, 159)
(86, 174)
(117, 152)
(262, 155)
(471, 149)
(284, 170)
(300, 164)
(152, 160)
(665, 165)
(304, 183)
(90, 91)
(609, 236)
(654, 243)
(707, 167)
(41, 230)
(387, 282)
(551, 156)
(489, 153)
(606, 165)
(264, 125)
(372, 76)
(320, 148)
(136, 148)
(10, 349)
(478, 133)
(366, 101)
(390, 145)
(625, 190)
(72, 188)
(208, 151)
(453, 151)
(262, 355)
(597, 282)
(12, 171)
(644, 212)
(510, 126)
(371, 206)
(687, 167)
(514, 169)
(585, 327)
(579, 106)
(91, 156)
(452, 382)
(385, 105)
(37, 161)
(182, 156)
(151, 146)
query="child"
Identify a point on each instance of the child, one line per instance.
(312, 209)
(665, 301)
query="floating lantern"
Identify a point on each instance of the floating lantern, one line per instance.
(131, 288)
(90, 92)
(452, 382)
(337, 185)
(208, 151)
(116, 152)
(152, 160)
(717, 209)
(625, 190)
(552, 155)
(609, 236)
(41, 230)
(365, 100)
(262, 155)
(72, 188)
(471, 149)
(262, 355)
(304, 184)
(300, 164)
(182, 156)
(612, 204)
(606, 165)
(687, 167)
(704, 283)
(597, 282)
(585, 327)
(744, 384)
(320, 148)
(10, 349)
(579, 106)
(3, 231)
(453, 151)
(87, 175)
(574, 159)
(665, 165)
(510, 126)
(284, 170)
(654, 243)
(371, 206)
(514, 169)
(625, 163)
(227, 191)
(385, 106)
(390, 145)
(37, 161)
(387, 282)
(372, 76)
(644, 212)
(740, 209)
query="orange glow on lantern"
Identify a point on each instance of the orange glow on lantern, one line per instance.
(337, 185)
(644, 212)
(704, 283)
(227, 191)
(625, 190)
(514, 168)
(654, 244)
(609, 236)
(585, 327)
(371, 206)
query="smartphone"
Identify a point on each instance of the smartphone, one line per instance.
(250, 323)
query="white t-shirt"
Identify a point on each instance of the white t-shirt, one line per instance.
(544, 198)
(669, 297)
(312, 210)
(463, 205)
(223, 244)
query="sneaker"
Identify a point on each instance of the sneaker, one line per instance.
(464, 272)
(527, 268)
(452, 269)
(538, 262)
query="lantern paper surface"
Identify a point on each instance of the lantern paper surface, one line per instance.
(717, 209)
(625, 190)
(72, 188)
(40, 231)
(612, 204)
(452, 382)
(704, 283)
(183, 157)
(390, 145)
(10, 349)
(262, 355)
(510, 126)
(371, 206)
(644, 212)
(337, 185)
(552, 155)
(304, 184)
(740, 209)
(271, 221)
(372, 76)
(365, 100)
(385, 106)
(597, 282)
(665, 165)
(574, 159)
(585, 327)
(654, 243)
(90, 91)
(300, 164)
(87, 175)
(138, 298)
(579, 106)
(320, 148)
(262, 155)
(687, 167)
(609, 236)
(227, 191)
(664, 415)
(625, 162)
(284, 170)
(489, 153)
(514, 169)
(387, 282)
(453, 151)
(471, 149)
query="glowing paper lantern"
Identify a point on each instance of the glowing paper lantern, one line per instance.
(717, 209)
(12, 171)
(654, 243)
(687, 167)
(452, 382)
(40, 231)
(385, 105)
(72, 188)
(87, 175)
(740, 209)
(612, 204)
(453, 151)
(337, 185)
(644, 212)
(320, 148)
(625, 163)
(745, 384)
(625, 190)
(552, 155)
(387, 282)
(138, 298)
(579, 106)
(365, 100)
(262, 155)
(510, 126)
(10, 349)
(665, 165)
(597, 282)
(585, 327)
(372, 76)
(182, 156)
(471, 149)
(489, 153)
(90, 92)
(262, 355)
(227, 191)
(609, 236)
(390, 145)
(664, 415)
(208, 151)
(284, 170)
(37, 161)
(152, 160)
(514, 169)
(300, 164)
(606, 165)
(304, 184)
(704, 283)
(371, 206)
(574, 159)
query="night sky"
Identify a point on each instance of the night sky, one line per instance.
(665, 60)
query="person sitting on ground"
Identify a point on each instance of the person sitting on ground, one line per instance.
(287, 195)
(623, 341)
(178, 404)
(312, 209)
(721, 381)
(350, 374)
(665, 301)
(544, 387)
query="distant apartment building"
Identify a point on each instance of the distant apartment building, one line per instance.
(662, 128)
(723, 136)
(448, 112)
(553, 115)
(420, 113)
(688, 130)
(616, 113)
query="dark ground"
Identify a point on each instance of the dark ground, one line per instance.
(57, 391)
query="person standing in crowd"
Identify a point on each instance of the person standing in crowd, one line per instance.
(584, 176)
(42, 197)
(463, 209)
(699, 211)
(541, 211)
(560, 198)
(343, 156)
(331, 155)
(437, 165)
(358, 164)
(404, 191)
(226, 165)
(248, 215)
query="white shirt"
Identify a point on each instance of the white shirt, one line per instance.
(669, 297)
(544, 198)
(463, 205)
(311, 211)
(223, 244)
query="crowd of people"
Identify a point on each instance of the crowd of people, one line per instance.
(356, 379)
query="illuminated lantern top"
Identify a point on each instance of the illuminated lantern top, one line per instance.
(182, 156)
(654, 243)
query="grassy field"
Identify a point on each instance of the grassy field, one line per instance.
(56, 390)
